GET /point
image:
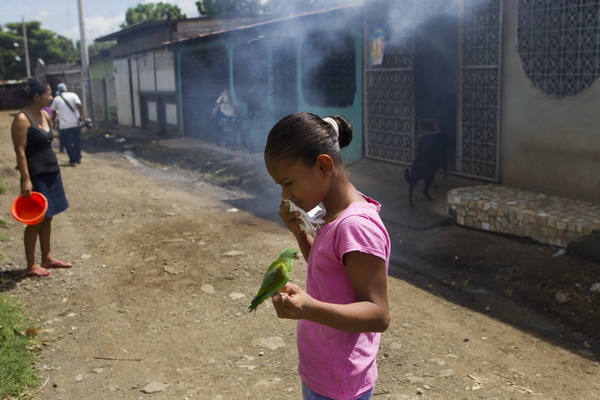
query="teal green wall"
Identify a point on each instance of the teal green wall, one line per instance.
(102, 71)
(353, 113)
(102, 68)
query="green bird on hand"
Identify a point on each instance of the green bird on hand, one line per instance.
(277, 275)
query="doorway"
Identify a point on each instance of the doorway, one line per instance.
(436, 73)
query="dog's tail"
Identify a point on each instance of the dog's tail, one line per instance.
(409, 178)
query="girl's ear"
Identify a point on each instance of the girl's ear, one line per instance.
(325, 163)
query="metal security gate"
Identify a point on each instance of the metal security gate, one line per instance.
(389, 83)
(479, 105)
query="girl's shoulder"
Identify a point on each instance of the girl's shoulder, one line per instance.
(361, 228)
(359, 215)
(369, 206)
(371, 201)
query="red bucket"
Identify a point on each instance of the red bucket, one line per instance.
(30, 210)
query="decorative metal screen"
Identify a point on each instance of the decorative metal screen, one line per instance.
(559, 44)
(389, 85)
(479, 116)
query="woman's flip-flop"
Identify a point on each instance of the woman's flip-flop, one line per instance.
(59, 264)
(39, 272)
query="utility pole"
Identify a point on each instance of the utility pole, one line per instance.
(85, 65)
(26, 48)
(1, 64)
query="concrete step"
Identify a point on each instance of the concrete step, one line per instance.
(545, 218)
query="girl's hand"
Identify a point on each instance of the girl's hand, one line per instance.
(26, 187)
(291, 302)
(291, 219)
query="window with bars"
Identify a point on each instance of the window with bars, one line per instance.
(251, 73)
(329, 69)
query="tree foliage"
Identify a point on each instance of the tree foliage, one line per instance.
(152, 12)
(229, 8)
(299, 6)
(245, 8)
(43, 45)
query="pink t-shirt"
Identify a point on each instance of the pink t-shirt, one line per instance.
(333, 363)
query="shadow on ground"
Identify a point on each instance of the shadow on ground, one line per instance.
(529, 285)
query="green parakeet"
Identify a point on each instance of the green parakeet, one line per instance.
(276, 276)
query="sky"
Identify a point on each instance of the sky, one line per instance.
(101, 17)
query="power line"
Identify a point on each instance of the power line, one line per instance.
(15, 7)
(25, 9)
(110, 12)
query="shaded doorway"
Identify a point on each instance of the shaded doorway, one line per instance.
(436, 73)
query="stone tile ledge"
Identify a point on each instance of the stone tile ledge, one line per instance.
(545, 218)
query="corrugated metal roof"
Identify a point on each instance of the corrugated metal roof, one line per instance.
(141, 26)
(258, 24)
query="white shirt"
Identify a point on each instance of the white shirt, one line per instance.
(66, 118)
(226, 106)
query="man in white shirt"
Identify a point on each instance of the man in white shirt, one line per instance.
(67, 108)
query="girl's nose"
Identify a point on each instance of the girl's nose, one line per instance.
(285, 195)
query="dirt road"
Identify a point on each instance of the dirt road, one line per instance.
(165, 267)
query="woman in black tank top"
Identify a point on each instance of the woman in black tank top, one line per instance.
(36, 161)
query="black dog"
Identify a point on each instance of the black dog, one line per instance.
(431, 156)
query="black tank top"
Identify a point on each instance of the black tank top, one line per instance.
(41, 159)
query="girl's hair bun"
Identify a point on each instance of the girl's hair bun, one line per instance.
(345, 130)
(25, 91)
(304, 136)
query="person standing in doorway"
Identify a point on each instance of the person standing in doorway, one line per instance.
(226, 113)
(68, 111)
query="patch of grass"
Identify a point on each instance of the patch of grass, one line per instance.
(2, 187)
(17, 375)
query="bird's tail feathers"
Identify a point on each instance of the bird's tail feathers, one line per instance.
(257, 301)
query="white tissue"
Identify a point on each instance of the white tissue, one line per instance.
(311, 221)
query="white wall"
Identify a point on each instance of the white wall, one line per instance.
(152, 111)
(146, 71)
(135, 81)
(165, 71)
(171, 114)
(144, 78)
(551, 145)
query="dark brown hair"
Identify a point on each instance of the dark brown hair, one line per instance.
(33, 87)
(304, 136)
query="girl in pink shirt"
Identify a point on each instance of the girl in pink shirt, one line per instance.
(344, 308)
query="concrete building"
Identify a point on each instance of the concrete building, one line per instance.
(512, 85)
